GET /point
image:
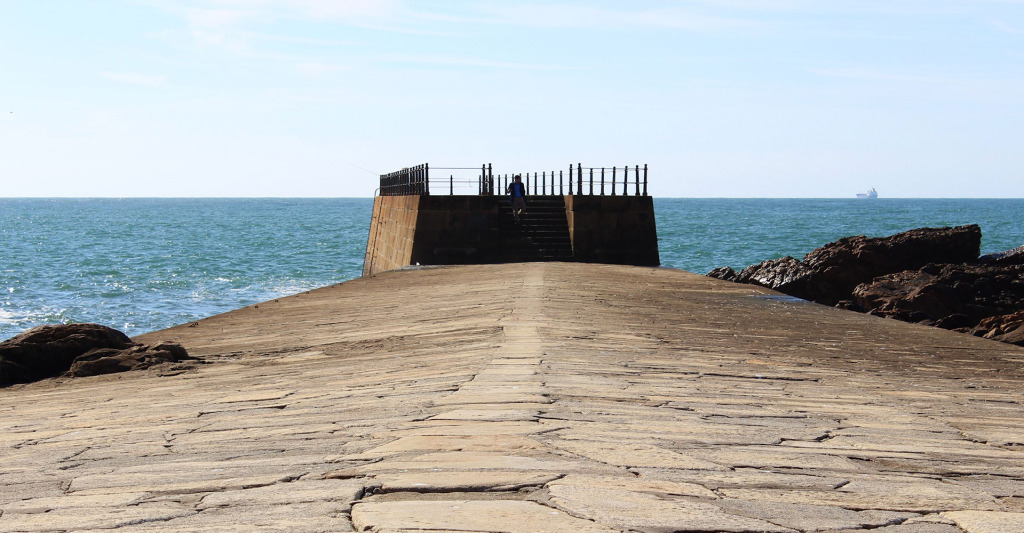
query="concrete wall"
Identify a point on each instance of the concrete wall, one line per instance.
(392, 230)
(613, 229)
(456, 230)
(430, 230)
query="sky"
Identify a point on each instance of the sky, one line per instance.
(316, 98)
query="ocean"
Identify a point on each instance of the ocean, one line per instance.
(140, 265)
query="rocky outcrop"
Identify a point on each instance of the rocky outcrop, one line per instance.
(957, 296)
(77, 350)
(137, 357)
(1007, 328)
(1009, 257)
(930, 275)
(828, 274)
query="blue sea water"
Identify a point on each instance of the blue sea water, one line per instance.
(145, 264)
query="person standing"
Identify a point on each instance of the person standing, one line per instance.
(517, 193)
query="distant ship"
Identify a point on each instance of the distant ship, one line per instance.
(872, 193)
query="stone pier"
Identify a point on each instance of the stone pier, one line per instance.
(530, 397)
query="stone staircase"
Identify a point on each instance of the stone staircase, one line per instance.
(543, 234)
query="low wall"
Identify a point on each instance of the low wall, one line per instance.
(616, 230)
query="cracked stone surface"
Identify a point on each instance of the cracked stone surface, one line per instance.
(536, 397)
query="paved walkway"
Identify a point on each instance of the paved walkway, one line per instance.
(522, 398)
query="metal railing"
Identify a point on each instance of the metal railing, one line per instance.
(596, 181)
(408, 181)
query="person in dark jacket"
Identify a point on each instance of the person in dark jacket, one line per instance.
(517, 193)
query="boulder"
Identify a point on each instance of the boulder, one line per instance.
(723, 273)
(1009, 257)
(829, 274)
(950, 296)
(138, 357)
(49, 351)
(787, 275)
(1007, 328)
(930, 275)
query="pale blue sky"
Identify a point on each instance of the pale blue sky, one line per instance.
(722, 98)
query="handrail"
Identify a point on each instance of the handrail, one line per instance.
(416, 181)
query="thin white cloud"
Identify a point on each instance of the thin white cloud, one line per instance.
(133, 78)
(456, 61)
(882, 75)
(225, 13)
(979, 88)
(586, 16)
(1005, 27)
(316, 69)
(233, 25)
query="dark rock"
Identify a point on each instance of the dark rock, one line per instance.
(830, 273)
(786, 275)
(78, 350)
(723, 273)
(1006, 328)
(1009, 257)
(953, 296)
(954, 321)
(930, 276)
(138, 357)
(48, 351)
(850, 305)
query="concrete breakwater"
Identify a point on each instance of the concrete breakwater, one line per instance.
(530, 397)
(452, 230)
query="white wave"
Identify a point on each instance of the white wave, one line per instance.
(8, 318)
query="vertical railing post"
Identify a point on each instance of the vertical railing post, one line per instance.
(579, 178)
(645, 179)
(451, 185)
(490, 179)
(561, 190)
(613, 181)
(426, 179)
(570, 179)
(591, 181)
(602, 181)
(544, 183)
